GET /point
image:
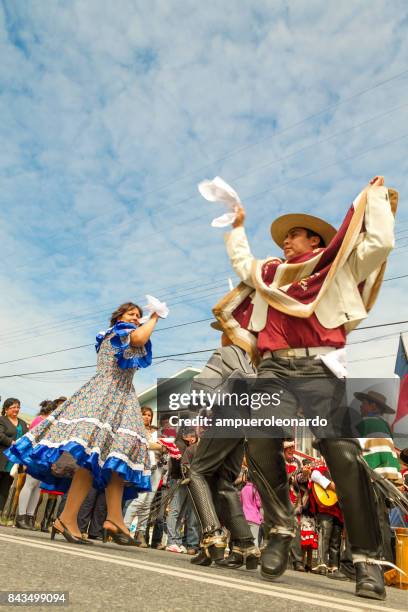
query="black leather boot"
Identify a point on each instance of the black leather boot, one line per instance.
(48, 515)
(369, 581)
(30, 520)
(274, 558)
(201, 558)
(21, 522)
(214, 545)
(334, 547)
(239, 556)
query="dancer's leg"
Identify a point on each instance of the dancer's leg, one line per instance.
(357, 500)
(81, 483)
(114, 496)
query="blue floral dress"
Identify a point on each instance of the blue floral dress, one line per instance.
(100, 425)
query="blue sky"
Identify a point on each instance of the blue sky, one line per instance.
(111, 115)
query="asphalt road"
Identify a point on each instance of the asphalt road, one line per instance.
(110, 577)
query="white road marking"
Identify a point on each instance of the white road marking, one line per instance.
(263, 588)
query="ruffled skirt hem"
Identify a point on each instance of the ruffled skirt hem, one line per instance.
(39, 459)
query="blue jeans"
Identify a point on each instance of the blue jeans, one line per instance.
(140, 506)
(181, 500)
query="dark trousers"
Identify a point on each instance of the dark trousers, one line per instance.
(5, 484)
(158, 523)
(330, 534)
(296, 553)
(92, 513)
(215, 467)
(308, 383)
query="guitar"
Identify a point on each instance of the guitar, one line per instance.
(326, 497)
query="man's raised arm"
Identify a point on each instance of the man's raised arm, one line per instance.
(378, 241)
(238, 248)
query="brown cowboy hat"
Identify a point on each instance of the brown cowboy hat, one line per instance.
(216, 325)
(282, 225)
(378, 398)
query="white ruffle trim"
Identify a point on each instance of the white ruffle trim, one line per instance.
(98, 423)
(95, 449)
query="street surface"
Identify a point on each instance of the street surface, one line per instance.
(110, 577)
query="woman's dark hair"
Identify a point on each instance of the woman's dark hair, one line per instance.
(9, 402)
(116, 314)
(46, 407)
(60, 400)
(147, 409)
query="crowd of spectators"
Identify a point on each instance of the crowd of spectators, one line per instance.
(165, 519)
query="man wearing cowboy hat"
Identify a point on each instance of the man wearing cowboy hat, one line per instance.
(293, 313)
(373, 404)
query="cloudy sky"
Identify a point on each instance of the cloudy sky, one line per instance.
(111, 115)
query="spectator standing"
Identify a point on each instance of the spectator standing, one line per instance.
(180, 502)
(293, 470)
(11, 428)
(30, 493)
(138, 511)
(251, 505)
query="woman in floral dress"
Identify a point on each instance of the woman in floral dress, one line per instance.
(101, 427)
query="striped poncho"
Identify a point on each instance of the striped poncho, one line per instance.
(378, 451)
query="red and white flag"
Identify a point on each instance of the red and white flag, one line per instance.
(400, 424)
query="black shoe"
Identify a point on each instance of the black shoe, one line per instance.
(299, 567)
(336, 574)
(215, 545)
(369, 581)
(117, 535)
(201, 558)
(348, 569)
(21, 522)
(65, 532)
(274, 558)
(240, 556)
(30, 520)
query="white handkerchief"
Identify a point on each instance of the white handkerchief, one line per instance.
(218, 190)
(224, 220)
(336, 361)
(155, 305)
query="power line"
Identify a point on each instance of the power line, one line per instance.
(23, 374)
(126, 223)
(337, 162)
(380, 325)
(371, 358)
(282, 131)
(73, 348)
(75, 322)
(395, 278)
(319, 142)
(187, 353)
(250, 145)
(273, 189)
